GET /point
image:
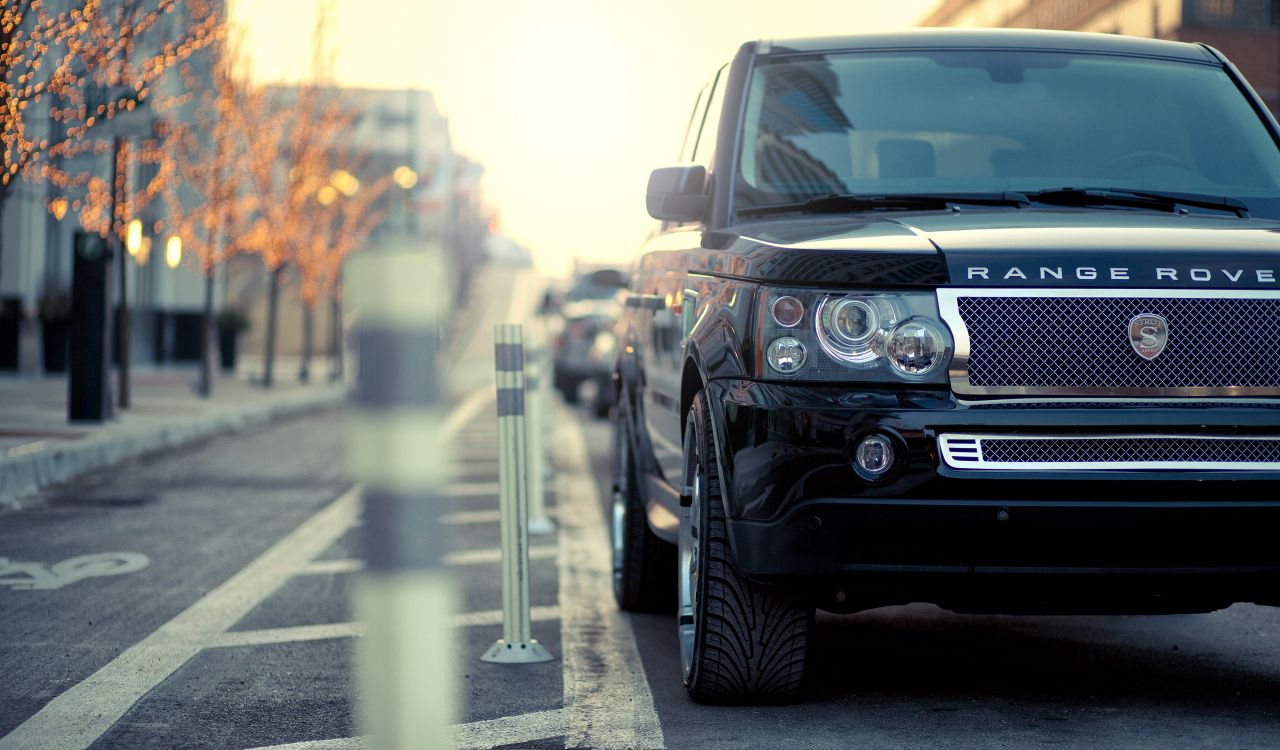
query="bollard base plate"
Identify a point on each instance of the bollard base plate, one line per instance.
(542, 525)
(527, 652)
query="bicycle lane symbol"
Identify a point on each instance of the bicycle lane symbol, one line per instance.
(30, 576)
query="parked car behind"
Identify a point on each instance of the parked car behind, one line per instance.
(589, 307)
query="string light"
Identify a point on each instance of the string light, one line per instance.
(173, 251)
(405, 177)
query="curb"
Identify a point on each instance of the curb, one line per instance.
(23, 476)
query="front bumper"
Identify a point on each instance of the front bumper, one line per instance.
(797, 509)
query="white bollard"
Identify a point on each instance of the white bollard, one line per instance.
(406, 661)
(516, 646)
(537, 375)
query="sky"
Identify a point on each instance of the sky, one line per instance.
(568, 104)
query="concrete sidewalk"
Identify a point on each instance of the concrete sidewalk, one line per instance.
(40, 448)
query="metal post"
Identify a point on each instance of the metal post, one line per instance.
(406, 663)
(118, 169)
(536, 376)
(515, 646)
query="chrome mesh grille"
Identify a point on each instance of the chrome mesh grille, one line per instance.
(1080, 343)
(1129, 450)
(1126, 452)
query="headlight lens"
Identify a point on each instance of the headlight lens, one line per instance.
(875, 337)
(849, 328)
(915, 348)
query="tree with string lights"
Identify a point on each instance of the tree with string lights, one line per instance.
(65, 74)
(210, 205)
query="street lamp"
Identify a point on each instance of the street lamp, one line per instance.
(173, 251)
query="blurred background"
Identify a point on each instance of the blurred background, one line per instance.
(518, 132)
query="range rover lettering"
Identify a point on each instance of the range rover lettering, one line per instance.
(988, 319)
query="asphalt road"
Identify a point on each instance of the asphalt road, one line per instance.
(227, 624)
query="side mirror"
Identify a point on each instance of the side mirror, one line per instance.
(678, 193)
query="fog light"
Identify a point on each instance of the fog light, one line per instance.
(874, 456)
(786, 355)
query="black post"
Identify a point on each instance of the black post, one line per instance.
(208, 336)
(304, 370)
(122, 332)
(89, 366)
(273, 301)
(335, 364)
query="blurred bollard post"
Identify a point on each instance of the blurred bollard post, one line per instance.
(537, 376)
(516, 646)
(406, 668)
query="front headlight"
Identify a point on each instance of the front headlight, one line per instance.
(852, 335)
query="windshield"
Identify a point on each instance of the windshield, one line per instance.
(1003, 120)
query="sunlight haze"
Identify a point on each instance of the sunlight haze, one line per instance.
(568, 104)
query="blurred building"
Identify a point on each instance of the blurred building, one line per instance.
(1246, 31)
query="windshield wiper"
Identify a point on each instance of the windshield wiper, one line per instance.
(1156, 199)
(837, 203)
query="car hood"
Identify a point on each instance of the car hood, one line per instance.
(1009, 247)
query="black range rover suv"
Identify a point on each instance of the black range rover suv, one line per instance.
(989, 319)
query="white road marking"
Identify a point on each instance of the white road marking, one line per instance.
(79, 716)
(483, 556)
(36, 576)
(467, 410)
(464, 557)
(467, 517)
(494, 616)
(607, 702)
(471, 489)
(508, 730)
(331, 567)
(356, 629)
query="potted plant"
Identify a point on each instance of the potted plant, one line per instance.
(231, 322)
(55, 328)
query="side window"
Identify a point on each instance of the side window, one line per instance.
(695, 124)
(705, 148)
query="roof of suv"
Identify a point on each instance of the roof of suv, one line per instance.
(1073, 41)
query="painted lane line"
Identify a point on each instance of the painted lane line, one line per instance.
(607, 701)
(292, 634)
(494, 616)
(484, 556)
(465, 557)
(329, 631)
(467, 410)
(471, 489)
(508, 730)
(468, 517)
(82, 714)
(331, 567)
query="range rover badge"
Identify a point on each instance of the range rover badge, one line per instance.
(1148, 333)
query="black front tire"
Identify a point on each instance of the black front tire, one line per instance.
(742, 641)
(644, 566)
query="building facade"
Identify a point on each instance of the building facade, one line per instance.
(1246, 31)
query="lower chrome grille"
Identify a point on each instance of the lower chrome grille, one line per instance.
(1110, 452)
(1077, 342)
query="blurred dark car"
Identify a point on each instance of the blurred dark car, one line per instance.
(589, 309)
(602, 354)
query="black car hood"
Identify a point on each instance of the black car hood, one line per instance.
(1007, 247)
